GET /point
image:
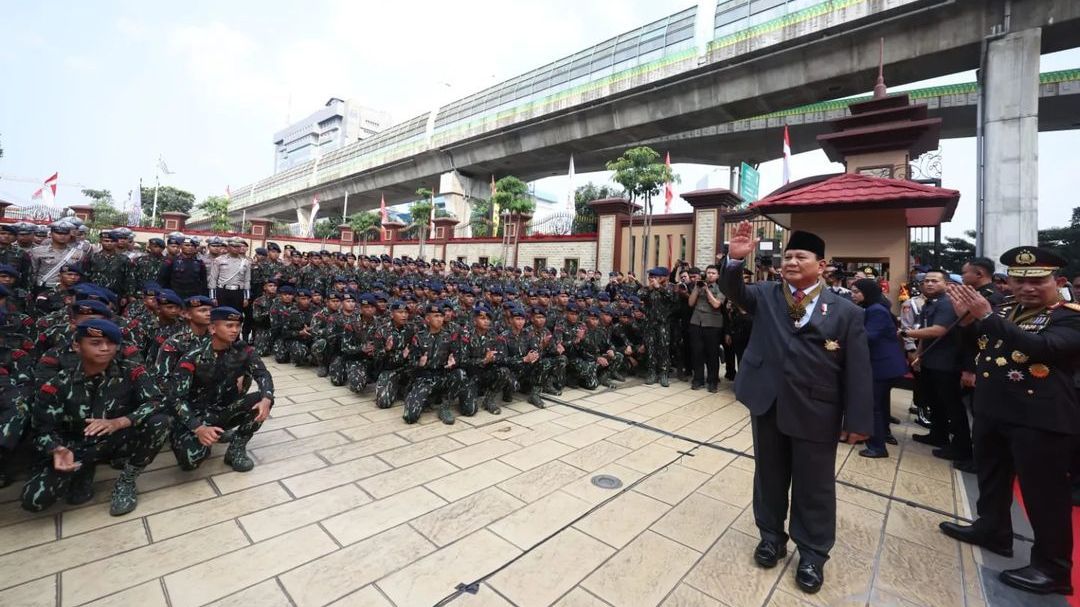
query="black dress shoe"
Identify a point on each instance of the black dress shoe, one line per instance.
(965, 465)
(1030, 579)
(809, 577)
(968, 535)
(714, 388)
(696, 386)
(768, 553)
(891, 440)
(893, 419)
(928, 439)
(950, 454)
(868, 452)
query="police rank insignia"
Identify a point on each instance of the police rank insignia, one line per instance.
(1019, 357)
(983, 342)
(1039, 371)
(1015, 375)
(1000, 361)
(832, 345)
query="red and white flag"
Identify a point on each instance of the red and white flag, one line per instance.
(382, 215)
(314, 214)
(228, 192)
(787, 156)
(669, 189)
(50, 185)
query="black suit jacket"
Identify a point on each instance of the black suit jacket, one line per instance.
(818, 376)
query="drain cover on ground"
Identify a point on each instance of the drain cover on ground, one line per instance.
(606, 481)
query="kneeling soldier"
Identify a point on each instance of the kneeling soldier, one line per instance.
(207, 397)
(431, 355)
(97, 409)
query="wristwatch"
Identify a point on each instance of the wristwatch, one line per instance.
(904, 333)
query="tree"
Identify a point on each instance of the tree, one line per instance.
(365, 225)
(169, 199)
(1065, 242)
(512, 194)
(217, 209)
(480, 219)
(420, 212)
(105, 214)
(324, 229)
(952, 255)
(585, 216)
(641, 173)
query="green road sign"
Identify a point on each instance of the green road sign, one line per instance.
(748, 182)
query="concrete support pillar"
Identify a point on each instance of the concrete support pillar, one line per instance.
(1011, 123)
(709, 206)
(458, 191)
(610, 213)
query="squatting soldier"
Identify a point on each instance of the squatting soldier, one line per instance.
(358, 349)
(552, 351)
(482, 358)
(395, 372)
(97, 409)
(524, 358)
(262, 337)
(437, 375)
(279, 315)
(16, 378)
(207, 401)
(168, 323)
(326, 341)
(197, 313)
(337, 368)
(295, 341)
(51, 300)
(659, 302)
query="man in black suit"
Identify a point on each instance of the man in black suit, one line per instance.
(1027, 416)
(806, 379)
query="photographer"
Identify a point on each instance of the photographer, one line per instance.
(706, 330)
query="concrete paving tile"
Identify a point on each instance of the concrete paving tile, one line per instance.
(406, 477)
(621, 520)
(338, 574)
(929, 466)
(697, 521)
(545, 574)
(728, 573)
(858, 528)
(926, 576)
(473, 435)
(261, 439)
(173, 475)
(370, 446)
(580, 419)
(649, 458)
(579, 597)
(231, 482)
(226, 574)
(354, 426)
(82, 520)
(106, 576)
(376, 517)
(149, 594)
(285, 419)
(920, 527)
(731, 485)
(924, 490)
(32, 563)
(672, 484)
(429, 579)
(537, 417)
(30, 533)
(585, 435)
(202, 514)
(302, 446)
(485, 597)
(381, 415)
(38, 593)
(468, 457)
(333, 476)
(264, 594)
(540, 481)
(595, 455)
(643, 573)
(780, 598)
(532, 456)
(863, 498)
(457, 485)
(538, 433)
(368, 596)
(655, 408)
(746, 523)
(458, 519)
(883, 468)
(584, 489)
(527, 526)
(633, 438)
(301, 512)
(688, 596)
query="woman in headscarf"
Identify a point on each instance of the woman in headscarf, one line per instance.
(886, 358)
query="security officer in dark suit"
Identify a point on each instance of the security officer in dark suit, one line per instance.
(806, 378)
(185, 273)
(1027, 416)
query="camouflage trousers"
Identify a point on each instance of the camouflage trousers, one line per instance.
(338, 371)
(360, 372)
(529, 377)
(138, 444)
(300, 352)
(437, 388)
(190, 452)
(323, 351)
(263, 341)
(657, 349)
(390, 386)
(556, 377)
(487, 383)
(587, 372)
(13, 424)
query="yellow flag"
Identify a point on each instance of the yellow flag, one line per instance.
(494, 209)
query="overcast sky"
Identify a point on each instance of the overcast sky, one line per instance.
(97, 90)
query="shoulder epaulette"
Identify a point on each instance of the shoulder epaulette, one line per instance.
(1075, 307)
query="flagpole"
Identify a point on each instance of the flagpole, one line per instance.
(345, 209)
(153, 210)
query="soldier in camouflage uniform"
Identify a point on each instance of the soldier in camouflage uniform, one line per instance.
(53, 299)
(358, 349)
(108, 267)
(295, 339)
(552, 352)
(95, 410)
(197, 314)
(627, 339)
(659, 300)
(168, 324)
(326, 341)
(394, 370)
(279, 314)
(262, 335)
(12, 255)
(337, 369)
(16, 379)
(437, 379)
(524, 358)
(593, 356)
(145, 268)
(207, 398)
(482, 358)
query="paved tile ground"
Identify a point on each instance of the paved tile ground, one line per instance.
(349, 506)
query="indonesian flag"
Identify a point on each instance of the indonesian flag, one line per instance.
(314, 214)
(49, 184)
(787, 156)
(431, 217)
(669, 190)
(382, 214)
(570, 187)
(494, 208)
(228, 193)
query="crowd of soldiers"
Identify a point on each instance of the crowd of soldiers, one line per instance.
(110, 351)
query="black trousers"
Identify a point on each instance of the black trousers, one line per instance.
(783, 462)
(1041, 461)
(705, 354)
(948, 416)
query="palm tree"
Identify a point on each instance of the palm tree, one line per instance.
(365, 224)
(512, 198)
(421, 211)
(641, 173)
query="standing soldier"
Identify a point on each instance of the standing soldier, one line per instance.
(230, 277)
(108, 267)
(659, 302)
(47, 259)
(207, 401)
(145, 268)
(260, 274)
(185, 273)
(11, 254)
(437, 376)
(97, 409)
(1027, 416)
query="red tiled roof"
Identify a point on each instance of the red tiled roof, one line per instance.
(851, 191)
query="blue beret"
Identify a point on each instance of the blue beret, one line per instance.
(518, 311)
(98, 327)
(260, 251)
(433, 308)
(303, 292)
(10, 228)
(90, 306)
(175, 240)
(495, 290)
(397, 304)
(573, 307)
(465, 289)
(168, 296)
(593, 311)
(604, 297)
(287, 290)
(483, 309)
(9, 270)
(334, 295)
(273, 246)
(156, 241)
(538, 310)
(196, 301)
(348, 294)
(367, 299)
(659, 272)
(225, 313)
